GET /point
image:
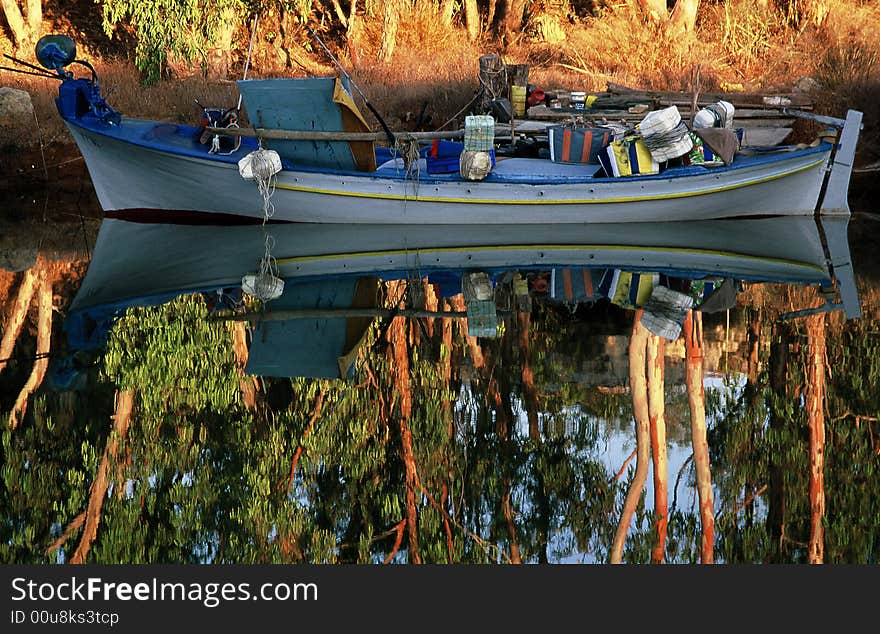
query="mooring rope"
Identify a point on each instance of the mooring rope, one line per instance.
(266, 282)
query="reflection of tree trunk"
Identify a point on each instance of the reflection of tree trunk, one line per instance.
(444, 501)
(776, 498)
(656, 406)
(247, 384)
(44, 338)
(510, 520)
(98, 490)
(528, 378)
(18, 315)
(499, 396)
(815, 405)
(693, 333)
(316, 412)
(431, 303)
(754, 339)
(473, 345)
(411, 486)
(639, 389)
(400, 372)
(446, 369)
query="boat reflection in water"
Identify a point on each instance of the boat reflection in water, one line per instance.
(329, 273)
(326, 302)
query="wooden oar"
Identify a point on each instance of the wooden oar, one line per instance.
(325, 135)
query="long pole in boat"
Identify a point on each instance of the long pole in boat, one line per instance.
(247, 62)
(391, 140)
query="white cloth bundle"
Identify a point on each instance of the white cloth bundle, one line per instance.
(665, 134)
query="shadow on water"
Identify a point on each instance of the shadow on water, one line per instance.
(433, 394)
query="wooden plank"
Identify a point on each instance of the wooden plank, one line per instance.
(764, 137)
(708, 97)
(312, 135)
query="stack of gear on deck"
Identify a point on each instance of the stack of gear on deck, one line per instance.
(716, 115)
(475, 161)
(628, 156)
(713, 125)
(665, 135)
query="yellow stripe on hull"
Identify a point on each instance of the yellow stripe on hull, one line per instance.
(544, 201)
(542, 247)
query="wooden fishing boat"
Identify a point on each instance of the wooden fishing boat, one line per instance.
(332, 172)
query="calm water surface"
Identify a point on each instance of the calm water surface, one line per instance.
(142, 424)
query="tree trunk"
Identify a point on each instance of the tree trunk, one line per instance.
(390, 19)
(24, 17)
(352, 34)
(98, 490)
(656, 406)
(815, 407)
(514, 11)
(472, 19)
(693, 333)
(654, 9)
(447, 10)
(219, 55)
(19, 314)
(684, 15)
(44, 339)
(639, 389)
(491, 6)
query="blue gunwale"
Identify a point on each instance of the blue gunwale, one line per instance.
(182, 140)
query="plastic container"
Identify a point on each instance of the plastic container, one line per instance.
(518, 99)
(717, 115)
(479, 133)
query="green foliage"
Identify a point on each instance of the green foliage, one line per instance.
(205, 479)
(171, 28)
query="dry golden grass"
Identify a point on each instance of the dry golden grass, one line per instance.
(434, 66)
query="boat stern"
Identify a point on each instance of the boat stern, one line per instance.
(836, 195)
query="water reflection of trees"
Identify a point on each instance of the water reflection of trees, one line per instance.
(442, 448)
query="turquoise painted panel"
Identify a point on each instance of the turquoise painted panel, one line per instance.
(303, 347)
(298, 104)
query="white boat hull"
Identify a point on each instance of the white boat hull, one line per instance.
(129, 177)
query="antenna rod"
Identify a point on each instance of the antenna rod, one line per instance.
(28, 72)
(33, 66)
(247, 62)
(384, 125)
